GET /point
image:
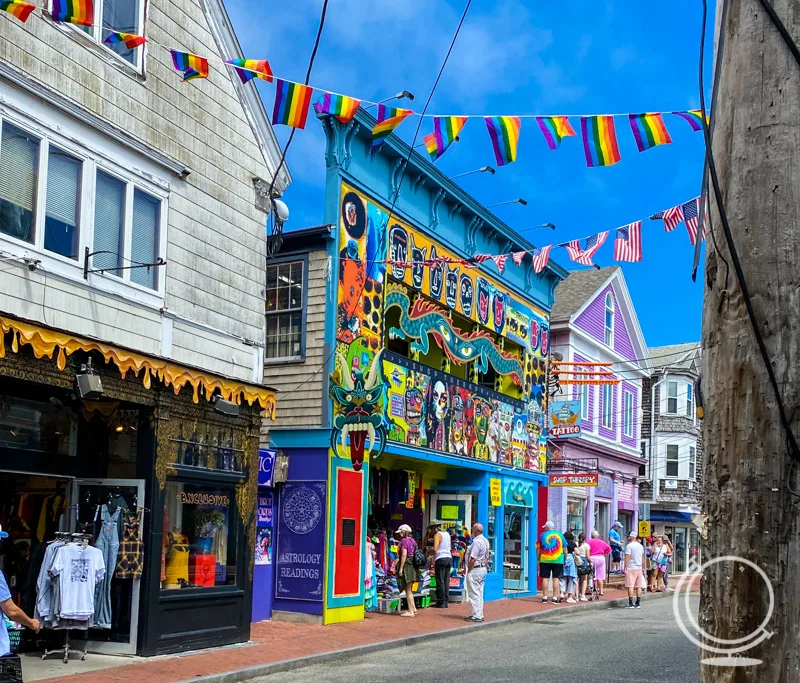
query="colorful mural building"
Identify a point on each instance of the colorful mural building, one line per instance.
(413, 379)
(593, 321)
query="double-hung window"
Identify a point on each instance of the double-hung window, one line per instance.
(627, 423)
(608, 406)
(672, 398)
(692, 462)
(585, 402)
(60, 201)
(609, 321)
(285, 310)
(673, 463)
(690, 401)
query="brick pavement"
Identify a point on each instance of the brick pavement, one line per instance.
(279, 641)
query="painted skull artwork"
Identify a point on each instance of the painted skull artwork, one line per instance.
(483, 302)
(499, 310)
(417, 264)
(451, 287)
(437, 415)
(358, 395)
(436, 275)
(398, 249)
(467, 294)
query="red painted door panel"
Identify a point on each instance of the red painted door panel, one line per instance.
(349, 541)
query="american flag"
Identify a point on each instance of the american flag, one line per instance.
(541, 257)
(517, 257)
(584, 256)
(671, 217)
(628, 243)
(481, 258)
(690, 213)
(500, 262)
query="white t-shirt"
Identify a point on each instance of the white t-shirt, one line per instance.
(636, 552)
(78, 571)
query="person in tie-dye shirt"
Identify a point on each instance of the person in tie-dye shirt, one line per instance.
(551, 551)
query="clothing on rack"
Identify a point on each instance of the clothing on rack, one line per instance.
(131, 549)
(108, 545)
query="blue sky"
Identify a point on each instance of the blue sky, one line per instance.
(516, 58)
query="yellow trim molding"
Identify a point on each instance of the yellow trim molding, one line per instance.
(45, 343)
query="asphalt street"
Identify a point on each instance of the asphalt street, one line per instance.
(612, 645)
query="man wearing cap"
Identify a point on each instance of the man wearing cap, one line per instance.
(551, 551)
(13, 612)
(634, 557)
(477, 563)
(443, 563)
(615, 542)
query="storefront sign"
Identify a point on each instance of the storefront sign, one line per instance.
(299, 557)
(565, 419)
(264, 509)
(644, 529)
(495, 492)
(449, 512)
(587, 479)
(190, 498)
(519, 493)
(266, 466)
(605, 487)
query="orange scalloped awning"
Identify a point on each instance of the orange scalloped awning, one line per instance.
(45, 343)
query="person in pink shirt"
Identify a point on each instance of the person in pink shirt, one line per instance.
(599, 549)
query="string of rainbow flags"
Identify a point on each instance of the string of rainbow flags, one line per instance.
(627, 243)
(293, 101)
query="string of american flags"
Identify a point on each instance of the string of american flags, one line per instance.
(627, 242)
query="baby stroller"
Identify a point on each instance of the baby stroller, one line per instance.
(587, 569)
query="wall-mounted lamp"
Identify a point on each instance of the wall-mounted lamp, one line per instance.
(222, 405)
(482, 169)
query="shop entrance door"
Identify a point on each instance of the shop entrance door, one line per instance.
(515, 549)
(86, 498)
(601, 520)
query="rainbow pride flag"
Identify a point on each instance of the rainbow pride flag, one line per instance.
(292, 101)
(504, 132)
(190, 65)
(21, 10)
(599, 140)
(554, 128)
(80, 12)
(649, 130)
(388, 119)
(694, 117)
(251, 68)
(445, 131)
(342, 107)
(130, 40)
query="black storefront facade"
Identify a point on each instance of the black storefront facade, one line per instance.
(153, 449)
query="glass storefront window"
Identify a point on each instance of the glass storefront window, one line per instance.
(576, 515)
(199, 548)
(37, 426)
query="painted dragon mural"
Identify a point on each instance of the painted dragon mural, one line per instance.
(425, 317)
(359, 395)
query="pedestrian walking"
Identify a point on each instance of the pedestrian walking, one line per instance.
(600, 551)
(477, 563)
(615, 541)
(634, 559)
(551, 550)
(670, 552)
(443, 563)
(14, 613)
(658, 559)
(406, 571)
(569, 577)
(585, 567)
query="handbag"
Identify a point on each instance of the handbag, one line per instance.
(418, 560)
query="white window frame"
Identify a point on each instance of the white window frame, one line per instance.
(301, 309)
(692, 463)
(690, 401)
(97, 35)
(672, 383)
(72, 269)
(627, 416)
(608, 406)
(608, 330)
(667, 461)
(644, 449)
(584, 397)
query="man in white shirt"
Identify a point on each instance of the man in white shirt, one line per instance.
(634, 558)
(477, 563)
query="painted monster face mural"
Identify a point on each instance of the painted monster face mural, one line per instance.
(398, 249)
(467, 294)
(545, 341)
(414, 406)
(483, 302)
(359, 394)
(534, 334)
(436, 275)
(451, 287)
(437, 415)
(417, 265)
(441, 400)
(499, 301)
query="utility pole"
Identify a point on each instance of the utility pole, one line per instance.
(752, 513)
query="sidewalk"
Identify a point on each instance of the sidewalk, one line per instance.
(273, 642)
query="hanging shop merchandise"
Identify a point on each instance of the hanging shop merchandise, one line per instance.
(156, 479)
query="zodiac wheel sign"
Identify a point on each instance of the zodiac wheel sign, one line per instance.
(302, 510)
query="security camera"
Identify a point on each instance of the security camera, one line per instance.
(32, 264)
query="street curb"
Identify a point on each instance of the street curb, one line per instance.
(308, 660)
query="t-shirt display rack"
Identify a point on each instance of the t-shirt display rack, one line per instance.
(66, 650)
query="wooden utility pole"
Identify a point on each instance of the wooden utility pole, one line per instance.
(748, 471)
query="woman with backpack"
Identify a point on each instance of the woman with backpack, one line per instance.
(407, 572)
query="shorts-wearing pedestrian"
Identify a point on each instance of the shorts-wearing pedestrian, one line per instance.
(550, 570)
(634, 578)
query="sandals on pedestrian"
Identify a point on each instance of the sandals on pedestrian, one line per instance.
(407, 614)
